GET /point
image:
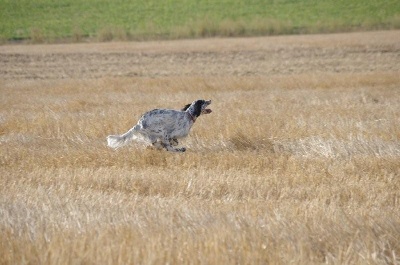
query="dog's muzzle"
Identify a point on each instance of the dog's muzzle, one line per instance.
(204, 110)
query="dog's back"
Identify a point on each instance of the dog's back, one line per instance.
(161, 122)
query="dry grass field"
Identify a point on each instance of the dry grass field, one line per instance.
(299, 163)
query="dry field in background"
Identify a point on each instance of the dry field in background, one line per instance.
(299, 163)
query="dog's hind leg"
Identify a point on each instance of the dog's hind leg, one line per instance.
(158, 145)
(172, 149)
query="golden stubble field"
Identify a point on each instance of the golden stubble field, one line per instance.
(299, 163)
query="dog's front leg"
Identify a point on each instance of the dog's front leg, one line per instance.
(173, 141)
(168, 146)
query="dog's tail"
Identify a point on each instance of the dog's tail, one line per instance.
(117, 141)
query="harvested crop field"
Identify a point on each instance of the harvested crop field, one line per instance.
(335, 53)
(298, 163)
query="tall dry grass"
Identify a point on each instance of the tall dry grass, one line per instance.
(299, 169)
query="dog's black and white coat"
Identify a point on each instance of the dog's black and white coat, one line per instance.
(163, 127)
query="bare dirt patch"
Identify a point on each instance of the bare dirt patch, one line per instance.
(336, 53)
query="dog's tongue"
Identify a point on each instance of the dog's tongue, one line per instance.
(206, 111)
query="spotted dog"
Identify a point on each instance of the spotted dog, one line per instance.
(163, 127)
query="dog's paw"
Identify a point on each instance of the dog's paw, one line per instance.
(182, 149)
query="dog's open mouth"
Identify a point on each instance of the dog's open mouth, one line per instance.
(206, 111)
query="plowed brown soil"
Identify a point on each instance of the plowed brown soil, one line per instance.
(347, 53)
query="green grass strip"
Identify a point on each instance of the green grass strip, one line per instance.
(76, 20)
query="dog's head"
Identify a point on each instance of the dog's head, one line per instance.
(198, 107)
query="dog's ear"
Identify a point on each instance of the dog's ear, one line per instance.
(197, 107)
(186, 107)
